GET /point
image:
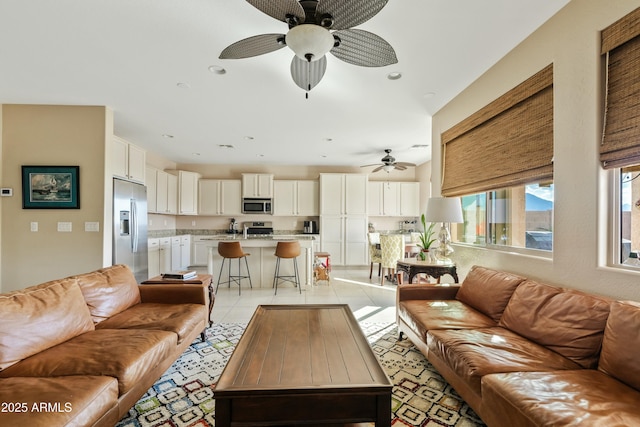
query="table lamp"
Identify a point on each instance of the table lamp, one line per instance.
(445, 210)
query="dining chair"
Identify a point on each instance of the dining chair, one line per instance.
(392, 250)
(375, 255)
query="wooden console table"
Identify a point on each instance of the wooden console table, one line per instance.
(302, 364)
(413, 267)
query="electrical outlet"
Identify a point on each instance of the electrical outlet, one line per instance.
(34, 226)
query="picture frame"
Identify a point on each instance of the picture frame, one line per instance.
(50, 187)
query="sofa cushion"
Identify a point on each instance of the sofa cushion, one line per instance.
(125, 354)
(424, 315)
(73, 401)
(585, 397)
(568, 322)
(109, 291)
(39, 317)
(621, 344)
(474, 353)
(488, 291)
(181, 319)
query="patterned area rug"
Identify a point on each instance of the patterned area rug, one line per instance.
(183, 396)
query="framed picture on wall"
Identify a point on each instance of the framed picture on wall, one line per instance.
(50, 187)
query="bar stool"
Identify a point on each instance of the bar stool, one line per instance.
(287, 249)
(232, 250)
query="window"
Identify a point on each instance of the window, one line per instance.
(517, 217)
(629, 210)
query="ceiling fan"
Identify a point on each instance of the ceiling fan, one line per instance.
(318, 27)
(389, 163)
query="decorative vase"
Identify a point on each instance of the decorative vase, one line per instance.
(426, 255)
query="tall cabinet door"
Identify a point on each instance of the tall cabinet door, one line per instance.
(331, 227)
(356, 249)
(331, 194)
(355, 194)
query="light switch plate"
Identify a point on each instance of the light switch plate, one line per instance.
(64, 227)
(34, 226)
(92, 226)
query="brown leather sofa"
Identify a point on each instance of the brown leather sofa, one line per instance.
(523, 353)
(81, 351)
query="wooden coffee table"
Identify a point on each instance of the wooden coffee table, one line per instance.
(299, 365)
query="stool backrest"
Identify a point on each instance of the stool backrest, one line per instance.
(288, 249)
(230, 249)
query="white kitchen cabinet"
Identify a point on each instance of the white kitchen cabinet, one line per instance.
(393, 198)
(296, 198)
(343, 194)
(187, 192)
(345, 238)
(153, 250)
(220, 197)
(409, 199)
(180, 252)
(152, 190)
(165, 255)
(200, 250)
(257, 185)
(129, 161)
(162, 192)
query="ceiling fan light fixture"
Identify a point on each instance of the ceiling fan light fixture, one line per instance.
(309, 42)
(388, 168)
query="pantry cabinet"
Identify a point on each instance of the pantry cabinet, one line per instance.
(128, 160)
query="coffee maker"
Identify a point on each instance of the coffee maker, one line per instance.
(310, 227)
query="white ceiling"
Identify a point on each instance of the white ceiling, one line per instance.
(135, 55)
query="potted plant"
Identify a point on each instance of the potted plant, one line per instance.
(426, 239)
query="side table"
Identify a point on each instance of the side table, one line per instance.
(413, 267)
(202, 280)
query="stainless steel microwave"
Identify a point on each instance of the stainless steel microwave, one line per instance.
(256, 206)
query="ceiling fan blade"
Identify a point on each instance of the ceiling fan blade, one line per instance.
(308, 74)
(399, 167)
(359, 47)
(347, 14)
(279, 9)
(377, 169)
(253, 46)
(405, 164)
(366, 166)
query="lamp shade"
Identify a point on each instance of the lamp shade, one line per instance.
(444, 209)
(309, 42)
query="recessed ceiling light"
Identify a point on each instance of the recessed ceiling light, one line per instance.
(249, 138)
(328, 139)
(420, 146)
(225, 146)
(183, 85)
(324, 156)
(196, 154)
(166, 135)
(429, 95)
(395, 75)
(216, 69)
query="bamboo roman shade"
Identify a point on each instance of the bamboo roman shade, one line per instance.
(508, 142)
(621, 135)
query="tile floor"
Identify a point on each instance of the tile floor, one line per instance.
(369, 301)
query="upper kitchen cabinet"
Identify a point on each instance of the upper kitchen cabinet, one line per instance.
(220, 197)
(295, 198)
(257, 185)
(129, 161)
(343, 194)
(187, 192)
(393, 198)
(162, 192)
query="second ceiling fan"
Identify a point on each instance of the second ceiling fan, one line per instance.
(318, 27)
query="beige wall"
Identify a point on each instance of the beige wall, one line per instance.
(569, 40)
(53, 135)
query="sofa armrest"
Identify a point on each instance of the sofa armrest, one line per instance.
(175, 294)
(426, 292)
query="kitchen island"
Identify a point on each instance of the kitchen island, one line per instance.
(262, 260)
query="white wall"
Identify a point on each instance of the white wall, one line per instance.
(571, 41)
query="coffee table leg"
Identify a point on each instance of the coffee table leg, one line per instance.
(223, 412)
(384, 411)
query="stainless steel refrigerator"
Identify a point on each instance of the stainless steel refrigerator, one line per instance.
(130, 227)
